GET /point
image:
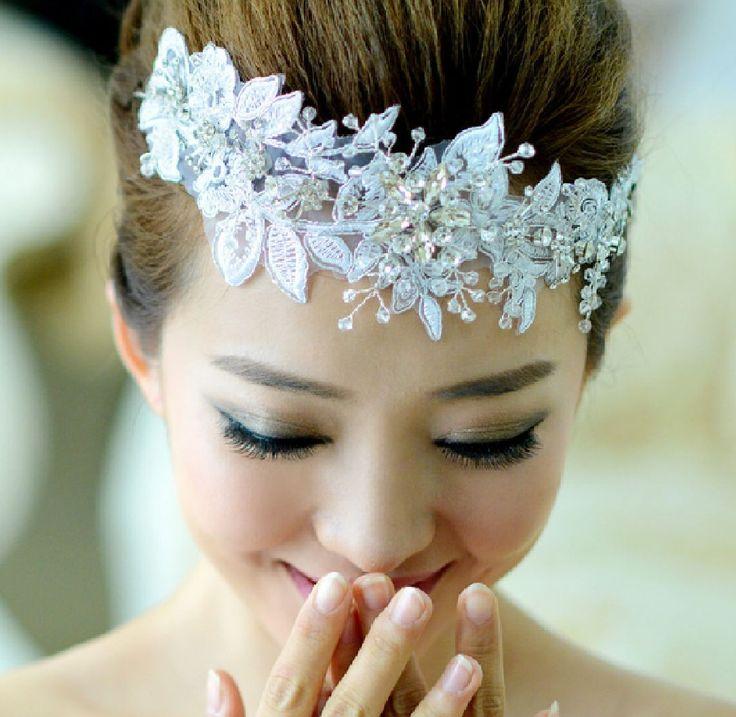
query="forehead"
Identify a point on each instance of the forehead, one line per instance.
(257, 320)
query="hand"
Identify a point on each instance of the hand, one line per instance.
(297, 677)
(328, 667)
(477, 635)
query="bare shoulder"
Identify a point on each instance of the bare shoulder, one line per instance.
(653, 697)
(586, 684)
(611, 690)
(82, 681)
(35, 690)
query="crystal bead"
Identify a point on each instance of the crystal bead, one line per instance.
(467, 315)
(526, 150)
(438, 286)
(516, 167)
(348, 295)
(478, 295)
(585, 326)
(505, 321)
(494, 297)
(382, 315)
(345, 323)
(453, 306)
(418, 134)
(309, 113)
(350, 121)
(471, 278)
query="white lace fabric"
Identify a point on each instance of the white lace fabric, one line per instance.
(278, 191)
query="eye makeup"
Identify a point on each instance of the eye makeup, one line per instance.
(493, 454)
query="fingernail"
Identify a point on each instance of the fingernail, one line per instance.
(457, 674)
(214, 694)
(478, 602)
(376, 592)
(554, 709)
(407, 606)
(331, 590)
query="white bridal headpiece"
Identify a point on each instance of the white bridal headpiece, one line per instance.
(258, 168)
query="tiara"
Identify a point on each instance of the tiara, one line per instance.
(264, 176)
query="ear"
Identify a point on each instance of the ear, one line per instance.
(143, 369)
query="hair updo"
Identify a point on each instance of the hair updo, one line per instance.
(560, 72)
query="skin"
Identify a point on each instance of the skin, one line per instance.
(408, 509)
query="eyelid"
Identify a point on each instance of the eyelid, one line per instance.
(265, 436)
(490, 434)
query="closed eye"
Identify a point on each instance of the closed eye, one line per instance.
(488, 455)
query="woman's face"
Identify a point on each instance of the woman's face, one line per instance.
(369, 475)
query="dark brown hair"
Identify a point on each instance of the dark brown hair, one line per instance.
(560, 71)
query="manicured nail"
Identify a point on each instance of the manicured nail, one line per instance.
(554, 709)
(407, 606)
(214, 694)
(457, 674)
(478, 602)
(331, 590)
(376, 592)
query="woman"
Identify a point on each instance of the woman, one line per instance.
(301, 452)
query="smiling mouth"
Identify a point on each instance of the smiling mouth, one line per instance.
(425, 583)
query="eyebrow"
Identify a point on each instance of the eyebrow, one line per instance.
(496, 384)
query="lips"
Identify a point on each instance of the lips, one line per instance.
(423, 581)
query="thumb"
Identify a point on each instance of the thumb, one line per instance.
(223, 695)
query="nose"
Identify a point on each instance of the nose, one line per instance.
(379, 523)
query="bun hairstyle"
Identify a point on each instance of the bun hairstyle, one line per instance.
(560, 71)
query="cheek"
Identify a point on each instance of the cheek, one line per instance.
(500, 514)
(238, 503)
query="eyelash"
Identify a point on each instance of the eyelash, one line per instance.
(489, 455)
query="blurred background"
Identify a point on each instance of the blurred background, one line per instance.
(638, 562)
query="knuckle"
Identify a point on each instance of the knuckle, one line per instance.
(286, 691)
(385, 646)
(344, 703)
(491, 704)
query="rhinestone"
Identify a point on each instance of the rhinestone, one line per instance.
(383, 315)
(467, 315)
(526, 150)
(309, 113)
(546, 236)
(494, 297)
(345, 323)
(350, 121)
(585, 326)
(471, 278)
(505, 321)
(516, 167)
(418, 134)
(348, 295)
(478, 295)
(438, 286)
(453, 306)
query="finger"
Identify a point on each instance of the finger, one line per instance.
(478, 634)
(372, 594)
(371, 677)
(223, 696)
(347, 648)
(295, 680)
(452, 693)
